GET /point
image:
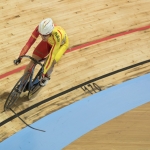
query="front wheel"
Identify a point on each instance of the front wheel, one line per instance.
(16, 91)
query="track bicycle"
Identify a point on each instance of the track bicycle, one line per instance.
(26, 83)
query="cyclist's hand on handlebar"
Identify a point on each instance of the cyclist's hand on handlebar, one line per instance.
(17, 61)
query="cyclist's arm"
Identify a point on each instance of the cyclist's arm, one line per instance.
(30, 42)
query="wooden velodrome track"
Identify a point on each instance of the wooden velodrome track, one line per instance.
(84, 21)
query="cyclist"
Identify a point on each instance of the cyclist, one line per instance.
(53, 45)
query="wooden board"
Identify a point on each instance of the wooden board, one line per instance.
(84, 21)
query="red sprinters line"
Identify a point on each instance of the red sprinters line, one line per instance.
(107, 38)
(84, 46)
(12, 72)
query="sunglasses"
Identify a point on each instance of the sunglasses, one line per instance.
(45, 35)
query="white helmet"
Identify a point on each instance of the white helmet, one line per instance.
(46, 26)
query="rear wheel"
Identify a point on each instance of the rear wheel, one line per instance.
(34, 91)
(16, 91)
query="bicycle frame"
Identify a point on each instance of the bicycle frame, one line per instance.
(23, 81)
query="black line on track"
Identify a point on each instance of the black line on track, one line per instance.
(71, 89)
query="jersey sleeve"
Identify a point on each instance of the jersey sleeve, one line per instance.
(30, 42)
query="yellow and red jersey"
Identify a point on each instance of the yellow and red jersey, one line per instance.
(57, 39)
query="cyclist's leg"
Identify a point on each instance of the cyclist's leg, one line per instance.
(40, 52)
(58, 56)
(31, 63)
